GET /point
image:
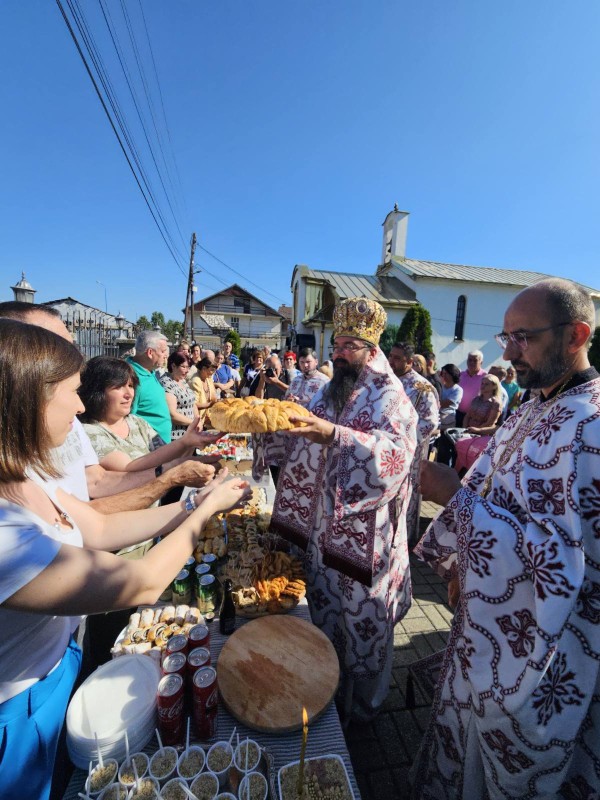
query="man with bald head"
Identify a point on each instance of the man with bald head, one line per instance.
(519, 539)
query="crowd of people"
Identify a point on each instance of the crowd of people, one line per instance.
(517, 538)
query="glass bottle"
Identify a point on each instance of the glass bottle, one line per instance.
(227, 614)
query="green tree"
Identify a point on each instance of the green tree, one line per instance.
(416, 328)
(172, 329)
(594, 352)
(143, 323)
(236, 343)
(158, 318)
(388, 337)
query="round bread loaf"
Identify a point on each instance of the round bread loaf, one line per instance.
(252, 415)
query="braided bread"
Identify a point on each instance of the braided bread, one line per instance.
(252, 415)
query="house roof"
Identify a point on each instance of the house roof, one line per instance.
(382, 288)
(235, 290)
(460, 272)
(215, 321)
(73, 301)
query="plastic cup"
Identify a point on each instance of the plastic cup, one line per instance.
(147, 789)
(225, 796)
(163, 765)
(172, 790)
(258, 786)
(115, 791)
(191, 762)
(205, 786)
(101, 777)
(126, 774)
(219, 762)
(253, 756)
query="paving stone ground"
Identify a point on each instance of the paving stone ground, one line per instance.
(383, 750)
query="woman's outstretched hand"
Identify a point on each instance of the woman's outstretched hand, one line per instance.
(224, 493)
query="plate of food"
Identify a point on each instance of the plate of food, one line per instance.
(324, 776)
(274, 584)
(151, 627)
(254, 415)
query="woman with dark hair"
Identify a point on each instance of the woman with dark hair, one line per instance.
(204, 388)
(249, 382)
(180, 398)
(53, 564)
(451, 395)
(124, 441)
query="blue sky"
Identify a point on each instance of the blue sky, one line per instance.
(295, 128)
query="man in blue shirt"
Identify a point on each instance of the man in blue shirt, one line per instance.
(230, 356)
(223, 377)
(150, 403)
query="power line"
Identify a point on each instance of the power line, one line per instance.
(122, 61)
(164, 115)
(87, 39)
(148, 97)
(264, 291)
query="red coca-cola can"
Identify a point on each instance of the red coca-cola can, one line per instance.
(169, 700)
(199, 657)
(206, 701)
(177, 644)
(174, 663)
(198, 636)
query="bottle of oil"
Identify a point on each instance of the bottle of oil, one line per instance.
(227, 615)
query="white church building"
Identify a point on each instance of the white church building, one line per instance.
(466, 304)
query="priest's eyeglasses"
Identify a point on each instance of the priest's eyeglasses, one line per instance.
(348, 348)
(519, 338)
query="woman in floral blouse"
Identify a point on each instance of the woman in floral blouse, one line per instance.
(180, 398)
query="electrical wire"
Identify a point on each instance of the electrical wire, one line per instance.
(150, 105)
(264, 291)
(164, 115)
(124, 138)
(128, 79)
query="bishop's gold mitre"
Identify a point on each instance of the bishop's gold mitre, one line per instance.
(361, 318)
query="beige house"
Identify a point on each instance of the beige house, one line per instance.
(257, 323)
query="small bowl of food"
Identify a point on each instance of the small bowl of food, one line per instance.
(205, 786)
(101, 776)
(145, 789)
(219, 760)
(174, 790)
(253, 751)
(253, 787)
(191, 762)
(126, 771)
(163, 765)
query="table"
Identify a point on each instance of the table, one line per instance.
(325, 735)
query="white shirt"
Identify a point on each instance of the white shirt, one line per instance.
(72, 458)
(30, 644)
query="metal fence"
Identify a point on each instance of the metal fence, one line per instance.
(93, 336)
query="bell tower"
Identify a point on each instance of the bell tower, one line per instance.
(395, 227)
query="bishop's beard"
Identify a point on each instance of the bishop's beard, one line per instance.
(341, 386)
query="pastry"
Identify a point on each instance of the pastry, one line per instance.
(253, 415)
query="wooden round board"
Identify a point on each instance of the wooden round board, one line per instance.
(271, 667)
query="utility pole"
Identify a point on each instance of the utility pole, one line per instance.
(190, 289)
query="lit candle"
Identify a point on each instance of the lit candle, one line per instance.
(302, 751)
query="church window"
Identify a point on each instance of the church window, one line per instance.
(459, 325)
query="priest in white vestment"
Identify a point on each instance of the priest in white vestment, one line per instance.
(517, 709)
(341, 497)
